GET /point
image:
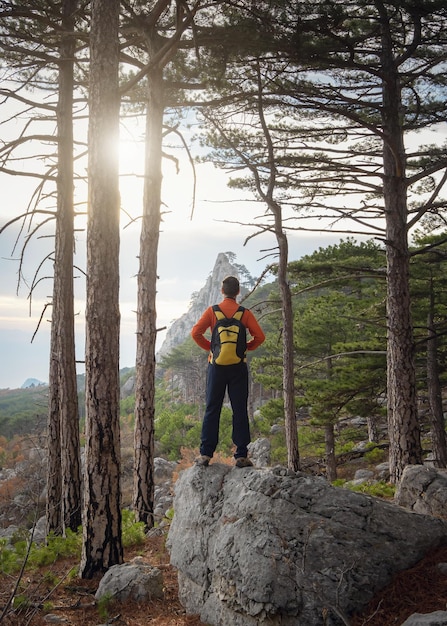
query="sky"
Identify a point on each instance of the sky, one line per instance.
(188, 250)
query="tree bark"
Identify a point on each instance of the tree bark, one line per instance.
(54, 515)
(293, 459)
(373, 429)
(437, 422)
(64, 474)
(403, 426)
(143, 492)
(329, 441)
(102, 542)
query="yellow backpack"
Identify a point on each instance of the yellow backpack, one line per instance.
(229, 338)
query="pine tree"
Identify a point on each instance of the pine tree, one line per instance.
(102, 542)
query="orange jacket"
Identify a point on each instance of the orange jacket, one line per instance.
(228, 306)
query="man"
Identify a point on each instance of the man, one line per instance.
(221, 378)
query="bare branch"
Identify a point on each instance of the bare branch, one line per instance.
(40, 320)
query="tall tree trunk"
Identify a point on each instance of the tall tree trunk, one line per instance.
(403, 426)
(102, 542)
(329, 442)
(291, 430)
(64, 477)
(69, 413)
(54, 514)
(143, 496)
(329, 435)
(293, 459)
(437, 423)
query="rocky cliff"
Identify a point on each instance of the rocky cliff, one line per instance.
(208, 295)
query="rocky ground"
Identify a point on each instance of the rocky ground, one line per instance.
(55, 597)
(52, 594)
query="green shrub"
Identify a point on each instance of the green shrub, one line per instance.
(374, 456)
(354, 434)
(11, 558)
(311, 441)
(278, 455)
(20, 602)
(9, 561)
(132, 532)
(379, 490)
(344, 448)
(56, 547)
(338, 482)
(272, 411)
(180, 427)
(172, 429)
(103, 605)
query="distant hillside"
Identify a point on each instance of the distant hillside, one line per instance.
(23, 411)
(32, 382)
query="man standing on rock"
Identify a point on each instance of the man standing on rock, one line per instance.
(227, 369)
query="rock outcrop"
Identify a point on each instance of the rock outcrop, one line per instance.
(267, 546)
(423, 489)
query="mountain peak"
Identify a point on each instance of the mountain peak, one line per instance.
(32, 382)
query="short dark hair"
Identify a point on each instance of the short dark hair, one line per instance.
(230, 286)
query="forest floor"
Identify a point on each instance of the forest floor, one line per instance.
(53, 596)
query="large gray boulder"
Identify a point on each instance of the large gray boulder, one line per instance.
(423, 489)
(136, 580)
(267, 546)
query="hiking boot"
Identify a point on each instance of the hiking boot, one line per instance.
(242, 461)
(202, 460)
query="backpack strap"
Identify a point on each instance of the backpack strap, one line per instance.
(220, 315)
(239, 313)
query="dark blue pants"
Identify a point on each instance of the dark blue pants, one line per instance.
(220, 378)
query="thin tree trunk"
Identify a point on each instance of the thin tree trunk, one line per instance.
(329, 441)
(437, 423)
(373, 430)
(251, 399)
(291, 430)
(403, 426)
(293, 458)
(69, 413)
(64, 477)
(329, 435)
(143, 495)
(102, 542)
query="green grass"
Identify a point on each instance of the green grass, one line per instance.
(379, 489)
(13, 555)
